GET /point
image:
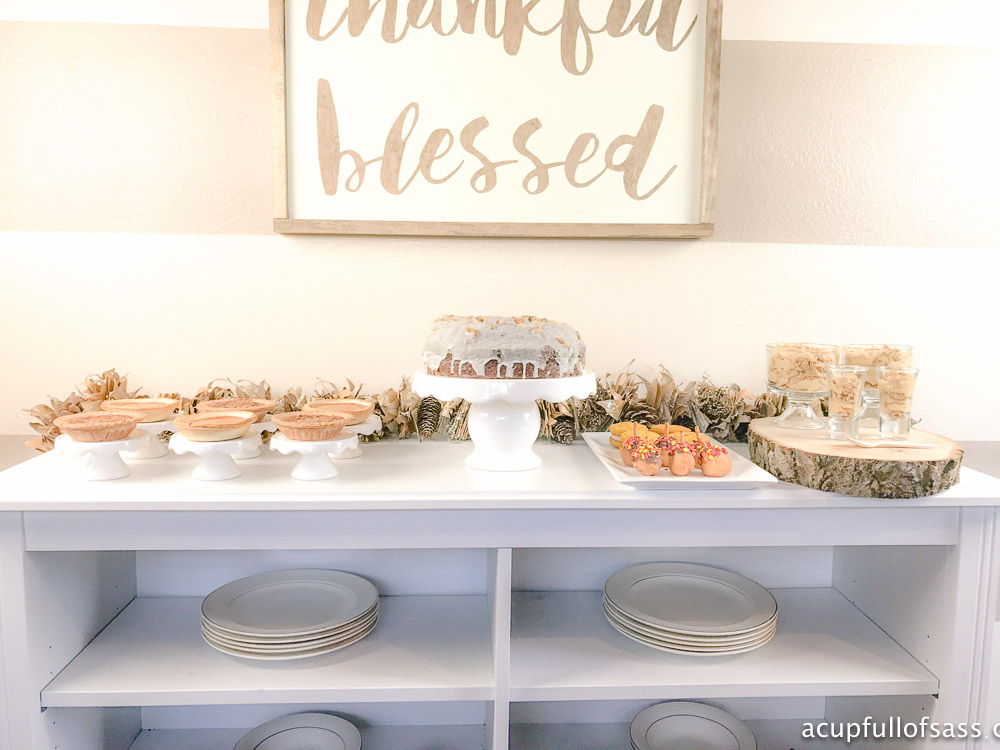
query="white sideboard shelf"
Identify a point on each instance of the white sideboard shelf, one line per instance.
(561, 649)
(378, 738)
(770, 734)
(425, 648)
(491, 633)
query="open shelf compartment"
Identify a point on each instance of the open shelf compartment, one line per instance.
(424, 648)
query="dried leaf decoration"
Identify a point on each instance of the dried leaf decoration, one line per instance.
(97, 388)
(720, 411)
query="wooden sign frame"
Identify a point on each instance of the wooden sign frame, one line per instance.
(709, 155)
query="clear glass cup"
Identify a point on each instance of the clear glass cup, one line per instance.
(895, 391)
(847, 385)
(872, 356)
(796, 371)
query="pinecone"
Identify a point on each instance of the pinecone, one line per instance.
(428, 416)
(563, 431)
(639, 411)
(593, 417)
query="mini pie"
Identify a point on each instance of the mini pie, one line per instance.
(300, 426)
(353, 410)
(146, 409)
(259, 406)
(96, 427)
(215, 426)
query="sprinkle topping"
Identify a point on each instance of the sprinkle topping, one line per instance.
(645, 451)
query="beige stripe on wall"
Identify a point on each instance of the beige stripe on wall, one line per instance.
(859, 145)
(166, 130)
(134, 129)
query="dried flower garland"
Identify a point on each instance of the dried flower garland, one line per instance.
(720, 411)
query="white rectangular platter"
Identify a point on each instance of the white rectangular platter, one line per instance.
(745, 474)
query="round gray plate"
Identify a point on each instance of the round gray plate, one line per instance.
(306, 731)
(289, 602)
(691, 599)
(682, 725)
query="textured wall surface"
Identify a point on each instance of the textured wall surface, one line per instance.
(855, 203)
(134, 129)
(853, 144)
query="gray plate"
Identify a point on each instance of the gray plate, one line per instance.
(683, 725)
(289, 602)
(306, 731)
(691, 599)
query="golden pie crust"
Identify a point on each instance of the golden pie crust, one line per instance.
(215, 426)
(96, 427)
(259, 406)
(354, 410)
(145, 409)
(302, 426)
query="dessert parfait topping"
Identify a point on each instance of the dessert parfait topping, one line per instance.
(873, 356)
(799, 368)
(896, 392)
(845, 394)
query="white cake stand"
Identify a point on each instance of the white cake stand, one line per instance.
(152, 446)
(216, 456)
(503, 416)
(371, 425)
(101, 460)
(314, 455)
(253, 451)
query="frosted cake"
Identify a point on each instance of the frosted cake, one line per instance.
(503, 348)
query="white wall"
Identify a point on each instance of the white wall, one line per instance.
(961, 23)
(184, 284)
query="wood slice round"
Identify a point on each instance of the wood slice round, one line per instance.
(812, 459)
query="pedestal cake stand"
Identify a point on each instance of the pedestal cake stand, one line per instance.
(252, 450)
(102, 460)
(314, 462)
(216, 456)
(369, 426)
(151, 446)
(503, 416)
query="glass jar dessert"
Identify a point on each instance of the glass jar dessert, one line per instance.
(846, 384)
(873, 356)
(895, 390)
(797, 372)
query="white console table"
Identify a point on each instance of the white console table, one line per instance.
(492, 634)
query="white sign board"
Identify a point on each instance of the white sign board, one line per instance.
(496, 117)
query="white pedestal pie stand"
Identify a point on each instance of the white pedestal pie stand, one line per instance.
(216, 456)
(314, 455)
(369, 426)
(253, 451)
(102, 460)
(503, 416)
(152, 446)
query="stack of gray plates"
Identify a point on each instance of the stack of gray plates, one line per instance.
(681, 724)
(289, 614)
(308, 731)
(690, 609)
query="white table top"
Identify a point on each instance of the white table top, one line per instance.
(413, 475)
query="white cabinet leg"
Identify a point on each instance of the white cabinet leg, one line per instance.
(498, 586)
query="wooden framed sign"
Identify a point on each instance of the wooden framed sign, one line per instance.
(518, 118)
